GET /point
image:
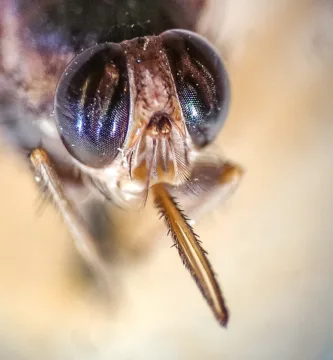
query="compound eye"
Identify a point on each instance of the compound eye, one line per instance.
(92, 105)
(201, 81)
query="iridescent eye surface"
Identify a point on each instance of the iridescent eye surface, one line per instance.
(201, 81)
(92, 105)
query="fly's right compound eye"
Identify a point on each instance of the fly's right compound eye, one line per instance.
(92, 105)
(201, 81)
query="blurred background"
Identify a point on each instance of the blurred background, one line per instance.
(271, 243)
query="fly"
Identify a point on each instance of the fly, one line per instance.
(136, 101)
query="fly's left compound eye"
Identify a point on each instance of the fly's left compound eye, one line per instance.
(201, 82)
(92, 105)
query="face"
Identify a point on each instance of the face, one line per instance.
(132, 116)
(137, 113)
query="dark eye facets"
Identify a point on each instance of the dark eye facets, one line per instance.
(201, 81)
(92, 105)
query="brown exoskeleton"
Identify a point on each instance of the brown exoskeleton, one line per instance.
(134, 116)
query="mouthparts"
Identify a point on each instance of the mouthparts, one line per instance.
(160, 154)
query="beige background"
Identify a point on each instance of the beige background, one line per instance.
(271, 243)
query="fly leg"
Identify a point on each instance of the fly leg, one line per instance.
(208, 179)
(211, 183)
(47, 176)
